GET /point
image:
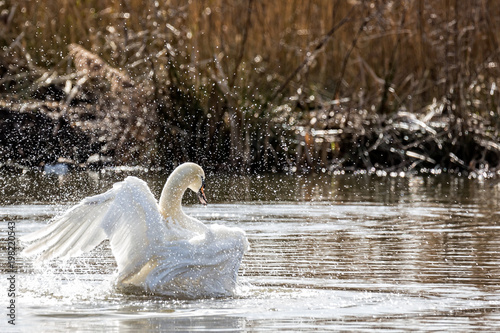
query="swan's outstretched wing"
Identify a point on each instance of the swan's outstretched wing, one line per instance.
(127, 215)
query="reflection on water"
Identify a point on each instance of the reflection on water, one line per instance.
(344, 252)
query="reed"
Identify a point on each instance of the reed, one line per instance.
(228, 74)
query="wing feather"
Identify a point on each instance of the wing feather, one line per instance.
(51, 241)
(127, 215)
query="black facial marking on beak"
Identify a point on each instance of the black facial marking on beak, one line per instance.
(201, 192)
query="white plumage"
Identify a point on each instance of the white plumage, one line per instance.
(157, 247)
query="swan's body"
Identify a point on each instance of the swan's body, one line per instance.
(157, 247)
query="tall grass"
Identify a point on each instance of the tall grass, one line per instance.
(224, 76)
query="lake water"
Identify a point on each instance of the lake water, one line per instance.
(342, 252)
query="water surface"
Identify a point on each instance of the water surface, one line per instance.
(343, 252)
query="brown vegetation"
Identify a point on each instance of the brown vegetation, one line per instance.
(266, 86)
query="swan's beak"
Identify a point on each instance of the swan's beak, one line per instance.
(201, 194)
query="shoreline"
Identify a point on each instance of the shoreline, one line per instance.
(48, 136)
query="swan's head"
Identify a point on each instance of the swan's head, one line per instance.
(198, 184)
(191, 176)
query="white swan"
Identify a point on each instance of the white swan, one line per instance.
(157, 247)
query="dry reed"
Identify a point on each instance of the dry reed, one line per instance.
(228, 74)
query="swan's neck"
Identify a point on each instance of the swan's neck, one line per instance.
(171, 198)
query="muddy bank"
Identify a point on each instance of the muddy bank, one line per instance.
(39, 133)
(33, 136)
(429, 142)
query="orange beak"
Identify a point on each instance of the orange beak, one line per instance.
(201, 194)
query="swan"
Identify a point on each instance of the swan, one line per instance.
(158, 249)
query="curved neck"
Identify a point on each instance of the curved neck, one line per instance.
(183, 177)
(171, 197)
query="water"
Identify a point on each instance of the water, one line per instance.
(348, 252)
